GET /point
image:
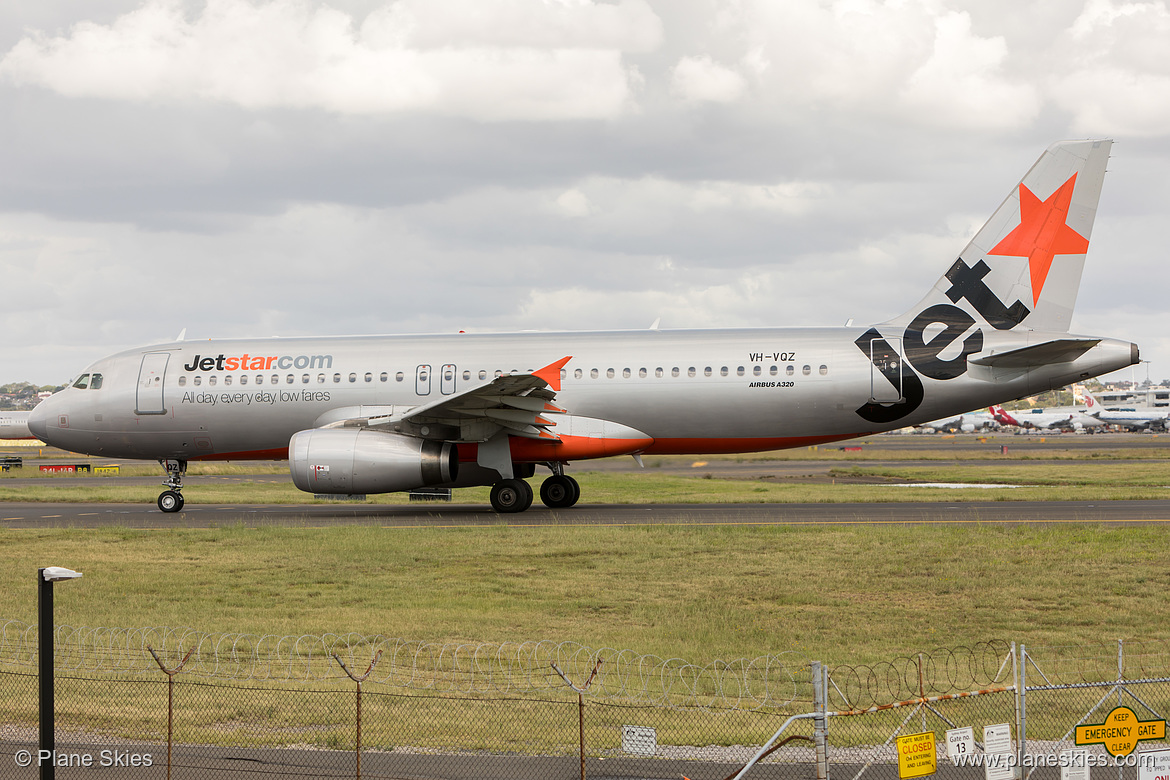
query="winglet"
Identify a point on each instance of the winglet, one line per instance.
(551, 374)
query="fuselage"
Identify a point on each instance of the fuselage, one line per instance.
(689, 391)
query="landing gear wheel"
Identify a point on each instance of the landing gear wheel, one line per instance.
(559, 491)
(511, 495)
(170, 501)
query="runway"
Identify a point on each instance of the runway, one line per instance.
(34, 516)
(971, 452)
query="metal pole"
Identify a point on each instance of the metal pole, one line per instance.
(820, 677)
(581, 723)
(45, 756)
(1022, 730)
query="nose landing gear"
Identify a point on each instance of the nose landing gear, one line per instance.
(171, 500)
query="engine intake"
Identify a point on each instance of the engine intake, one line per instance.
(359, 460)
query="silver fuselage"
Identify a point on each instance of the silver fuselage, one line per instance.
(690, 391)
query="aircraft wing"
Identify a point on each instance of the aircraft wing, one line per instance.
(516, 403)
(1056, 351)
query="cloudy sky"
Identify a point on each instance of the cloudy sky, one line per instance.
(291, 167)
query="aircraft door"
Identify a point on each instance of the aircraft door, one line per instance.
(149, 399)
(447, 380)
(422, 380)
(885, 376)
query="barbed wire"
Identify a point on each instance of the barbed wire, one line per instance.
(772, 681)
(1130, 659)
(937, 672)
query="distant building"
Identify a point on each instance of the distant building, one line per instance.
(1135, 396)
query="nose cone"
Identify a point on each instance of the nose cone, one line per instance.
(38, 420)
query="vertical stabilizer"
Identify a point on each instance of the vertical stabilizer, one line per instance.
(1023, 268)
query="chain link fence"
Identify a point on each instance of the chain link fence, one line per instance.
(177, 703)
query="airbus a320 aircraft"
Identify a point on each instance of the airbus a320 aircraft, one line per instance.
(374, 414)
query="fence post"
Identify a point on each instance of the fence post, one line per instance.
(170, 673)
(820, 675)
(1021, 663)
(359, 681)
(580, 705)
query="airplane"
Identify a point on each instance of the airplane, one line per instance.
(14, 425)
(1063, 418)
(968, 422)
(374, 414)
(1132, 418)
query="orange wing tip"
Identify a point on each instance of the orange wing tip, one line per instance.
(551, 374)
(554, 408)
(543, 421)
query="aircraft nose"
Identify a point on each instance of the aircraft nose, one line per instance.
(38, 420)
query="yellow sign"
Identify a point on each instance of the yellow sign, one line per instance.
(1121, 732)
(105, 470)
(916, 756)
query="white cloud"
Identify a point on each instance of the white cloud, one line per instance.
(490, 60)
(699, 79)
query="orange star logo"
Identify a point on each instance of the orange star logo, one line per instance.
(1043, 233)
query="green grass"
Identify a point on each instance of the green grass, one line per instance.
(839, 594)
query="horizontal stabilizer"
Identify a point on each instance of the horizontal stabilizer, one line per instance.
(1056, 351)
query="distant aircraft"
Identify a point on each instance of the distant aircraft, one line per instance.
(374, 414)
(14, 425)
(968, 422)
(1129, 417)
(1064, 418)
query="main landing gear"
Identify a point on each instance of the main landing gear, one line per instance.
(171, 500)
(560, 491)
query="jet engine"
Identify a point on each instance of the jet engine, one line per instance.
(360, 460)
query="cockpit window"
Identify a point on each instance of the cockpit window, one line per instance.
(96, 382)
(82, 382)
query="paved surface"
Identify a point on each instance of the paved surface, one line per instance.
(972, 452)
(14, 515)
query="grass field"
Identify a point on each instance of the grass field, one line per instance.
(839, 594)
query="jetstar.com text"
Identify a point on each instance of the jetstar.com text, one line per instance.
(1072, 759)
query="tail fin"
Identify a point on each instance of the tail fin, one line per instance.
(1023, 268)
(1092, 405)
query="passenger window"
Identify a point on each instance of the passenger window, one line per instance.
(337, 379)
(723, 371)
(806, 370)
(674, 371)
(593, 374)
(399, 377)
(305, 379)
(276, 379)
(790, 370)
(824, 370)
(625, 373)
(658, 372)
(691, 371)
(259, 379)
(82, 382)
(774, 370)
(320, 379)
(757, 370)
(383, 377)
(96, 382)
(466, 376)
(227, 380)
(498, 373)
(739, 371)
(243, 379)
(212, 380)
(642, 373)
(707, 371)
(182, 381)
(482, 374)
(290, 379)
(369, 377)
(578, 374)
(352, 378)
(609, 373)
(197, 381)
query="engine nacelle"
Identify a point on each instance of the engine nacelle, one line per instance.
(359, 460)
